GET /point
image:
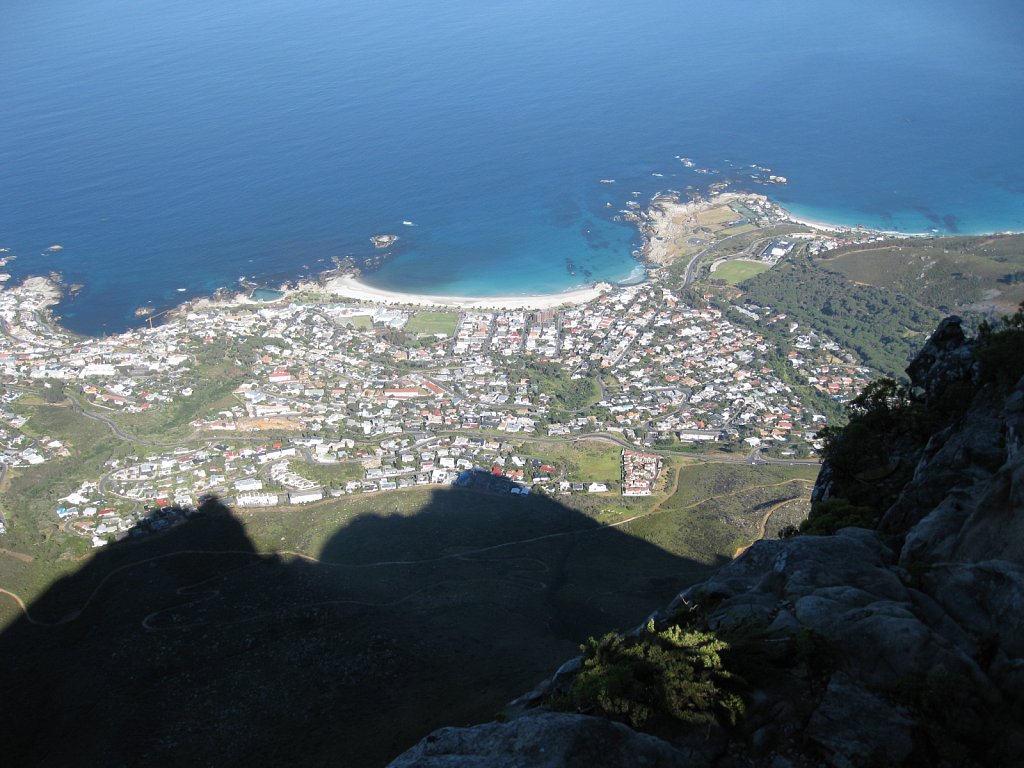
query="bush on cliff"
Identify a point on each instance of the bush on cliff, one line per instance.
(830, 515)
(1001, 351)
(656, 681)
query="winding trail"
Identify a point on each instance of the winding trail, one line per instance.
(468, 554)
(763, 524)
(75, 614)
(20, 556)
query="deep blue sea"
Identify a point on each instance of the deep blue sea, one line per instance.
(186, 144)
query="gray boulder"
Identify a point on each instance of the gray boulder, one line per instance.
(545, 740)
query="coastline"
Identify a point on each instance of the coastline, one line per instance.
(833, 228)
(664, 224)
(667, 222)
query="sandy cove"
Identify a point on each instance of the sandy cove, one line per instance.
(350, 287)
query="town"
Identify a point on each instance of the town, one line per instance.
(308, 398)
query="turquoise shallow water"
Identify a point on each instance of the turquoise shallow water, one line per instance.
(185, 145)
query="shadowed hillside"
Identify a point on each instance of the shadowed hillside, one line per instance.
(193, 648)
(891, 634)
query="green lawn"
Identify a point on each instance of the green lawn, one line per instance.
(739, 270)
(360, 322)
(432, 322)
(331, 474)
(584, 460)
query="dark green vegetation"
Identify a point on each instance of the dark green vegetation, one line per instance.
(682, 682)
(875, 453)
(212, 383)
(32, 491)
(1001, 350)
(30, 494)
(882, 327)
(568, 395)
(657, 681)
(953, 274)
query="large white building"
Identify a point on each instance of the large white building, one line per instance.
(256, 499)
(305, 497)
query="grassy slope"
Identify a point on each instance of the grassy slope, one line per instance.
(717, 508)
(451, 597)
(583, 461)
(29, 497)
(397, 606)
(952, 274)
(329, 475)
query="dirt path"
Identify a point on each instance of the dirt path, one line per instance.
(20, 556)
(675, 487)
(763, 525)
(75, 614)
(72, 615)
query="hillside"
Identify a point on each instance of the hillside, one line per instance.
(953, 274)
(894, 643)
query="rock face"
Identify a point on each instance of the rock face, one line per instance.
(542, 740)
(904, 645)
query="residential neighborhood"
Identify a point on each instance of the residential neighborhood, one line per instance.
(296, 401)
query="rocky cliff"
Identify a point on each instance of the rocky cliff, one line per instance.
(899, 642)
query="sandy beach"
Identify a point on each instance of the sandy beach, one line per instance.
(668, 225)
(350, 287)
(842, 228)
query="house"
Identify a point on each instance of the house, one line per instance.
(306, 496)
(253, 499)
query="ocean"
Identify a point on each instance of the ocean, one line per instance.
(174, 148)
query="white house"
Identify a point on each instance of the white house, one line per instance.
(249, 484)
(305, 497)
(256, 499)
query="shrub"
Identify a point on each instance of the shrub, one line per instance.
(1001, 352)
(657, 681)
(830, 515)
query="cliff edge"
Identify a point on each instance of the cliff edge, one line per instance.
(888, 630)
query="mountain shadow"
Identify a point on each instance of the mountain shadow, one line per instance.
(192, 648)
